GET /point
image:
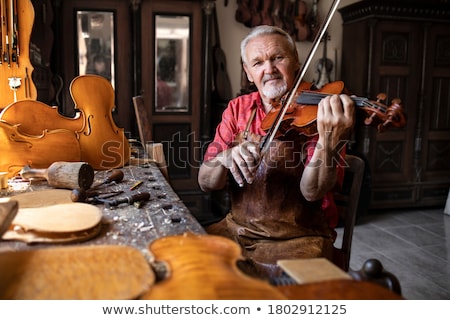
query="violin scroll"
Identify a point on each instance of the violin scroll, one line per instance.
(388, 116)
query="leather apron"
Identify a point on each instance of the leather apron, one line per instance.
(270, 218)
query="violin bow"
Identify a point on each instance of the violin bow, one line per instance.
(268, 138)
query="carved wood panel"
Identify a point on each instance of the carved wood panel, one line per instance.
(403, 49)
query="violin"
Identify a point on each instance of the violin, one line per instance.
(266, 17)
(256, 15)
(302, 31)
(301, 115)
(324, 65)
(243, 13)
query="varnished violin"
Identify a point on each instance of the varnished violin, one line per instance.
(301, 115)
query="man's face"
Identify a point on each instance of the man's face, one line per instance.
(270, 65)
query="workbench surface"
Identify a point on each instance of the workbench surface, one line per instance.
(135, 225)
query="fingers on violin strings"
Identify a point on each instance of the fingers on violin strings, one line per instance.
(336, 105)
(322, 110)
(349, 106)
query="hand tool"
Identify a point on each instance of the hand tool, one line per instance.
(141, 196)
(81, 195)
(64, 175)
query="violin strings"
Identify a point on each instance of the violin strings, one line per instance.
(312, 98)
(367, 103)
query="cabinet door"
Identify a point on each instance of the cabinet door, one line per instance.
(171, 55)
(395, 72)
(434, 143)
(406, 57)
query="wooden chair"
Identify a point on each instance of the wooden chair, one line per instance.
(372, 270)
(143, 119)
(347, 202)
(154, 150)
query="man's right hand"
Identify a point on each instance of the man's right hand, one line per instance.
(242, 160)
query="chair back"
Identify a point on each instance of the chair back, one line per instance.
(347, 202)
(155, 150)
(143, 119)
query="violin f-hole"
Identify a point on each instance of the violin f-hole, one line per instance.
(88, 133)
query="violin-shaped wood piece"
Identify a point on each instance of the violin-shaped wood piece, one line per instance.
(103, 144)
(31, 131)
(204, 267)
(19, 149)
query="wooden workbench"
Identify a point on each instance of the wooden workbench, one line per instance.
(163, 215)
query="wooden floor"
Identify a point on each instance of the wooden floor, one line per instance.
(413, 244)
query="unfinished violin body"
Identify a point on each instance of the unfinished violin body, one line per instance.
(35, 134)
(103, 144)
(19, 149)
(204, 267)
(34, 117)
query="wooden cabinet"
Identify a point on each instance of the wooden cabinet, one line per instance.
(402, 48)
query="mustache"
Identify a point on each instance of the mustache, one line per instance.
(274, 76)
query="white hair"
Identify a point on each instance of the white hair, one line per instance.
(267, 30)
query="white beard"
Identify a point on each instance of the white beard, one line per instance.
(274, 92)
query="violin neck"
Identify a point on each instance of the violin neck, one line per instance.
(313, 98)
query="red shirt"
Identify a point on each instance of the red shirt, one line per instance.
(234, 121)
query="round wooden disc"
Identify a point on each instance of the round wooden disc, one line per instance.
(51, 237)
(67, 217)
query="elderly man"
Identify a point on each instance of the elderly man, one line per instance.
(282, 204)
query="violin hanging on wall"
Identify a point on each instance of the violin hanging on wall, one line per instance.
(17, 18)
(294, 16)
(324, 65)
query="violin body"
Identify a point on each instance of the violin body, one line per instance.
(35, 134)
(103, 144)
(34, 117)
(300, 117)
(204, 267)
(266, 16)
(255, 13)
